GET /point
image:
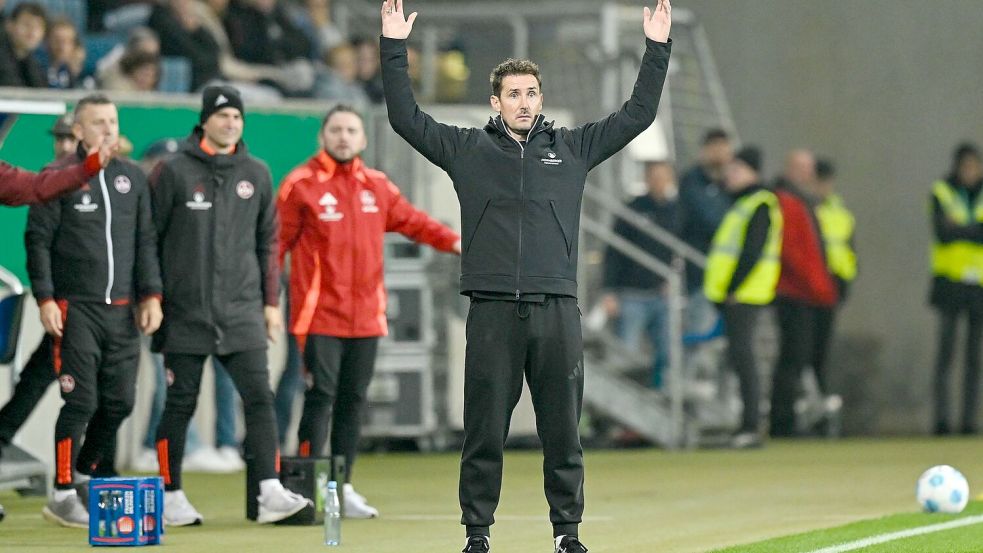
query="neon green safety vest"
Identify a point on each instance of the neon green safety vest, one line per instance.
(959, 260)
(836, 224)
(728, 243)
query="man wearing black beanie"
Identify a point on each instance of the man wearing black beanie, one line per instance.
(213, 207)
(742, 274)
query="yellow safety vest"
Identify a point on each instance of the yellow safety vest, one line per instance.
(837, 224)
(959, 260)
(728, 243)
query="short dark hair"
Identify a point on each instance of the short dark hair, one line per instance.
(825, 168)
(91, 100)
(131, 61)
(340, 108)
(510, 67)
(29, 8)
(713, 135)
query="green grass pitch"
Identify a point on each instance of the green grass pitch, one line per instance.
(790, 497)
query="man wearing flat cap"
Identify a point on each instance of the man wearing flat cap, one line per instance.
(213, 207)
(741, 276)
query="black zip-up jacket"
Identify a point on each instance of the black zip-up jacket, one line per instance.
(217, 242)
(520, 202)
(97, 244)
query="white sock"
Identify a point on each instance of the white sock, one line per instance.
(62, 495)
(270, 485)
(173, 493)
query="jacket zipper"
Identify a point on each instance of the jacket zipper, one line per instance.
(522, 179)
(109, 236)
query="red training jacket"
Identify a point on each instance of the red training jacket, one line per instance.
(20, 187)
(332, 221)
(805, 276)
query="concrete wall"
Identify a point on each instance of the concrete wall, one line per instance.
(887, 88)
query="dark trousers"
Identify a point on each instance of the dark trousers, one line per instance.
(741, 323)
(824, 319)
(38, 373)
(507, 341)
(96, 361)
(340, 369)
(251, 376)
(948, 321)
(797, 330)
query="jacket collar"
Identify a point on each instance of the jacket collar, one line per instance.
(327, 164)
(497, 125)
(193, 147)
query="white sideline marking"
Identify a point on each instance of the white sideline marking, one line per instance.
(520, 518)
(883, 538)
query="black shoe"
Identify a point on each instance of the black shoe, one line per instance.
(570, 544)
(476, 544)
(1, 513)
(941, 428)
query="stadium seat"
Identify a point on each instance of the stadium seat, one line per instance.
(175, 74)
(75, 10)
(97, 45)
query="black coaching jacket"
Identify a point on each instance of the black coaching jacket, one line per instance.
(218, 255)
(520, 202)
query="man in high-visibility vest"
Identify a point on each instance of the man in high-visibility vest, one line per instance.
(957, 286)
(741, 276)
(836, 224)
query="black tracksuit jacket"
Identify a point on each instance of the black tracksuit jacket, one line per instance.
(97, 244)
(520, 202)
(218, 254)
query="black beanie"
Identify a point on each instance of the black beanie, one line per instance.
(751, 156)
(214, 98)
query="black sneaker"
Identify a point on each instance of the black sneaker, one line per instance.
(570, 544)
(476, 544)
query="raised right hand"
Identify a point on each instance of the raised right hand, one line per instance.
(106, 152)
(51, 318)
(394, 23)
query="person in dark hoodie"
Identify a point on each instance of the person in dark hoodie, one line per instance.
(957, 282)
(20, 34)
(742, 274)
(805, 285)
(91, 255)
(520, 183)
(213, 207)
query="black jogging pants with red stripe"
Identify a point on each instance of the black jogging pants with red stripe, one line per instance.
(96, 361)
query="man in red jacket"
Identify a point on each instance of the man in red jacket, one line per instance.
(334, 212)
(805, 284)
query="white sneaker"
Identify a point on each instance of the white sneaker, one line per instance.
(205, 459)
(356, 505)
(279, 504)
(231, 458)
(145, 461)
(178, 511)
(69, 512)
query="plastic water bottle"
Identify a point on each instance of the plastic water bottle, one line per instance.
(332, 516)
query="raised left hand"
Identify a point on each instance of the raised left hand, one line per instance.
(656, 23)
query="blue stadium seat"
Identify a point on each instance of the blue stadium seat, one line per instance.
(175, 74)
(98, 45)
(75, 10)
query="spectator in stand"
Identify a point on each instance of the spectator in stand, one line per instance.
(369, 73)
(957, 283)
(141, 39)
(804, 286)
(704, 201)
(65, 55)
(338, 81)
(139, 72)
(635, 296)
(261, 32)
(256, 81)
(182, 34)
(313, 17)
(22, 33)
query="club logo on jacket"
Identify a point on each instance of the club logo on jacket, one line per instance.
(330, 204)
(198, 202)
(122, 184)
(368, 202)
(67, 383)
(86, 205)
(245, 189)
(550, 159)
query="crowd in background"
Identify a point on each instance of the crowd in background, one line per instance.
(268, 49)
